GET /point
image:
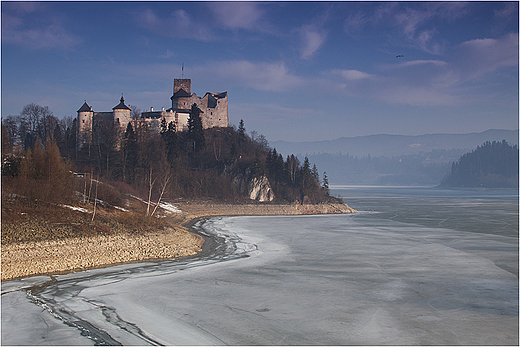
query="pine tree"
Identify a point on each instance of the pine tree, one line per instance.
(325, 185)
(241, 131)
(195, 129)
(169, 137)
(315, 173)
(131, 153)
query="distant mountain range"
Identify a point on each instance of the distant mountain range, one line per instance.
(391, 159)
(392, 145)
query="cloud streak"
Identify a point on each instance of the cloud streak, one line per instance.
(18, 28)
(179, 24)
(432, 82)
(311, 38)
(239, 15)
(414, 24)
(481, 56)
(264, 76)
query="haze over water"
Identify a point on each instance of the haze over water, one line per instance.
(415, 266)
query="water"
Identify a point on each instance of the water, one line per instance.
(415, 266)
(489, 211)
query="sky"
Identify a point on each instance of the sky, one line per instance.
(294, 71)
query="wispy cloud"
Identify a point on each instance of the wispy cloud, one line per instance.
(433, 82)
(167, 55)
(355, 23)
(265, 76)
(311, 38)
(240, 15)
(20, 28)
(414, 23)
(475, 58)
(352, 75)
(262, 76)
(179, 24)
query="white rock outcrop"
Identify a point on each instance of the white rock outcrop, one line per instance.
(260, 190)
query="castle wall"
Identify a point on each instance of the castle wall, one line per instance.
(215, 110)
(182, 121)
(152, 116)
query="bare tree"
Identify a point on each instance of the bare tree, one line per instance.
(151, 182)
(95, 199)
(38, 120)
(166, 179)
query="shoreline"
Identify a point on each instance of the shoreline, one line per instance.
(52, 257)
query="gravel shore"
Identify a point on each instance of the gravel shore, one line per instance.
(23, 259)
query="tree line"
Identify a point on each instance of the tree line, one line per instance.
(154, 160)
(492, 165)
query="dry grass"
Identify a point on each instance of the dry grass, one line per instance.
(24, 222)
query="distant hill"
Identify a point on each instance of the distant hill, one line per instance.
(392, 145)
(391, 159)
(492, 165)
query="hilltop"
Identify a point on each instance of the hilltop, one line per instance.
(491, 165)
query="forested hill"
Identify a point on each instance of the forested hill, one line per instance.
(217, 163)
(492, 165)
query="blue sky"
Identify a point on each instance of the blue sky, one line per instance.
(296, 71)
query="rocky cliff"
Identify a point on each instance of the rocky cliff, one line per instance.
(256, 188)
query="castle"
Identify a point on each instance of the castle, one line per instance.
(214, 107)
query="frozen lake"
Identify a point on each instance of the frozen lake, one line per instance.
(416, 266)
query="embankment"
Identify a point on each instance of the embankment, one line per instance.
(24, 259)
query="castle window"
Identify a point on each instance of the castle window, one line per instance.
(83, 121)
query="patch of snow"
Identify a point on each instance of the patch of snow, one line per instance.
(169, 207)
(75, 208)
(164, 205)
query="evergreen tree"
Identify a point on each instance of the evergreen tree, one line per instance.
(169, 137)
(71, 140)
(315, 173)
(241, 131)
(195, 129)
(164, 126)
(130, 153)
(292, 167)
(306, 174)
(325, 185)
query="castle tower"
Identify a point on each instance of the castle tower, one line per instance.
(182, 83)
(85, 115)
(121, 114)
(181, 98)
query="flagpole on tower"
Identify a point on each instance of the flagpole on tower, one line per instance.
(183, 70)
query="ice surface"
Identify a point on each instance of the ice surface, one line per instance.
(428, 267)
(334, 280)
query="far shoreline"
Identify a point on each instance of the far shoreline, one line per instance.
(181, 241)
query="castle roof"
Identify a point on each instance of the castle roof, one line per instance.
(180, 94)
(84, 108)
(121, 105)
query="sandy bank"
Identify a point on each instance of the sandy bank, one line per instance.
(74, 254)
(204, 209)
